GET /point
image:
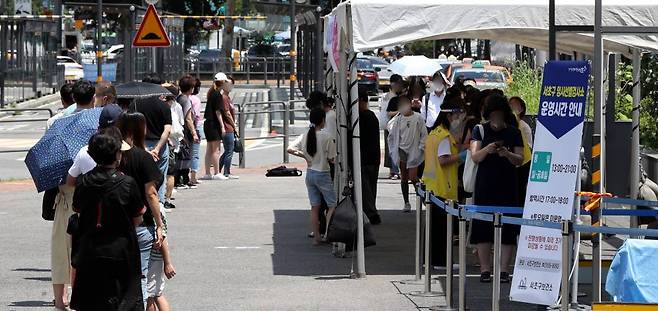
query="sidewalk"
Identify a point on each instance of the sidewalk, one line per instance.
(242, 245)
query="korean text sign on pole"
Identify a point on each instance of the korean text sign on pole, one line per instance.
(151, 33)
(551, 185)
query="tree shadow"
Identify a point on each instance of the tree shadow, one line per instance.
(43, 279)
(293, 254)
(30, 270)
(31, 303)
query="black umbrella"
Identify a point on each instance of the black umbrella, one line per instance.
(140, 90)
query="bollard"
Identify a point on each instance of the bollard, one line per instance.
(265, 69)
(566, 235)
(448, 306)
(498, 233)
(419, 233)
(270, 116)
(248, 70)
(462, 260)
(242, 125)
(427, 292)
(286, 134)
(277, 69)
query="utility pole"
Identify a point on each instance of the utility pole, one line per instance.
(99, 35)
(293, 49)
(227, 38)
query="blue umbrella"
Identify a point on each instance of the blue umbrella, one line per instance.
(51, 157)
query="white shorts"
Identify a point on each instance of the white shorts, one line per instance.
(156, 279)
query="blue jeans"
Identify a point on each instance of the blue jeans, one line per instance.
(196, 149)
(145, 237)
(163, 165)
(319, 186)
(227, 157)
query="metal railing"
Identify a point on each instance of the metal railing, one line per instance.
(15, 112)
(266, 69)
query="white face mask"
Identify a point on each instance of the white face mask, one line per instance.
(438, 87)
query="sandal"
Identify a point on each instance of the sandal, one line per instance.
(485, 277)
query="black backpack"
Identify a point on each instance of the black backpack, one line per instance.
(283, 171)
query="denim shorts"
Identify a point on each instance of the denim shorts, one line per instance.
(320, 185)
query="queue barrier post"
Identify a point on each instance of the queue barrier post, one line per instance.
(427, 292)
(419, 232)
(448, 306)
(286, 134)
(498, 233)
(242, 125)
(462, 259)
(566, 236)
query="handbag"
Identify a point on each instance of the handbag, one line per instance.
(73, 227)
(343, 225)
(470, 167)
(283, 171)
(237, 145)
(48, 204)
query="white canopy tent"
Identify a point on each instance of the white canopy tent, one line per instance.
(364, 25)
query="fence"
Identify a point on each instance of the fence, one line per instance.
(249, 68)
(496, 214)
(28, 62)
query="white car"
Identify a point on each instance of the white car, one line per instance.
(72, 70)
(113, 52)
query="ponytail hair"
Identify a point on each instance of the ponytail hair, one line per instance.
(316, 118)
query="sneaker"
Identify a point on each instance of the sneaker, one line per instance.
(485, 277)
(233, 176)
(504, 277)
(169, 205)
(219, 177)
(182, 187)
(311, 234)
(192, 186)
(407, 208)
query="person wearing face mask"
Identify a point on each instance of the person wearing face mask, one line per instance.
(388, 105)
(432, 102)
(518, 107)
(442, 159)
(497, 147)
(406, 141)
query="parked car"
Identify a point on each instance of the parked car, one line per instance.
(72, 70)
(367, 76)
(257, 54)
(484, 78)
(381, 66)
(113, 52)
(283, 49)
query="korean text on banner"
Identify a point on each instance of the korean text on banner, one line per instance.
(552, 181)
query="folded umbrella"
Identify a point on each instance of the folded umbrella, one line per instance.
(415, 65)
(140, 90)
(51, 157)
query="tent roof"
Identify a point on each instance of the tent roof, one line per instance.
(380, 23)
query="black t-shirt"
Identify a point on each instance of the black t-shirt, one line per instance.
(393, 104)
(214, 103)
(157, 114)
(369, 132)
(139, 164)
(496, 181)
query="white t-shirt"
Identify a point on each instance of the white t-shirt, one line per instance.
(433, 108)
(408, 129)
(444, 147)
(82, 163)
(177, 121)
(326, 150)
(330, 124)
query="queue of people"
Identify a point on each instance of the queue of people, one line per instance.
(430, 128)
(109, 237)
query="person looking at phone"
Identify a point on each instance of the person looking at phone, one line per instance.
(497, 147)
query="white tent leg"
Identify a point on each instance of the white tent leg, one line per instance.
(635, 137)
(599, 136)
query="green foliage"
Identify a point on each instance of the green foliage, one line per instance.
(526, 83)
(421, 48)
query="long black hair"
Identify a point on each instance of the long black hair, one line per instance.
(451, 105)
(316, 118)
(497, 102)
(133, 125)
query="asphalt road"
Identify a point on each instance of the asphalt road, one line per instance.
(259, 153)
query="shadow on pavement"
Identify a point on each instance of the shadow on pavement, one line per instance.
(294, 255)
(30, 270)
(31, 303)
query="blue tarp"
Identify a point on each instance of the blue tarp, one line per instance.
(633, 275)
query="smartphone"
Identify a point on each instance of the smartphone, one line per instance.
(499, 143)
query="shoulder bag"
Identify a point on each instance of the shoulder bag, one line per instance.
(470, 167)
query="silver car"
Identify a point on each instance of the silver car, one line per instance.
(484, 78)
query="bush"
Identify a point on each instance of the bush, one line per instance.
(526, 83)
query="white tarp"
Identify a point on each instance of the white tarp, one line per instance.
(380, 23)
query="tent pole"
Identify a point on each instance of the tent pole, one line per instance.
(356, 150)
(635, 137)
(598, 141)
(551, 30)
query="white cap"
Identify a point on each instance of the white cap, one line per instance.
(220, 76)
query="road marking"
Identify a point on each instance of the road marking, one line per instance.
(10, 143)
(237, 247)
(21, 159)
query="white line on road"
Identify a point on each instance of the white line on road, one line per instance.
(237, 247)
(21, 159)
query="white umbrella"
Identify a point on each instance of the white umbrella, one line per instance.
(415, 65)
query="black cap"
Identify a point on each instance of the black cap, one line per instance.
(110, 115)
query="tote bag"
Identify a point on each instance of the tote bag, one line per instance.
(470, 167)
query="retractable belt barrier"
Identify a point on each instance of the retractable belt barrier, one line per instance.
(497, 214)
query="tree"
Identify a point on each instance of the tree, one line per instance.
(227, 37)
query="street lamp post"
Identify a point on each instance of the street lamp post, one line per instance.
(293, 49)
(99, 31)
